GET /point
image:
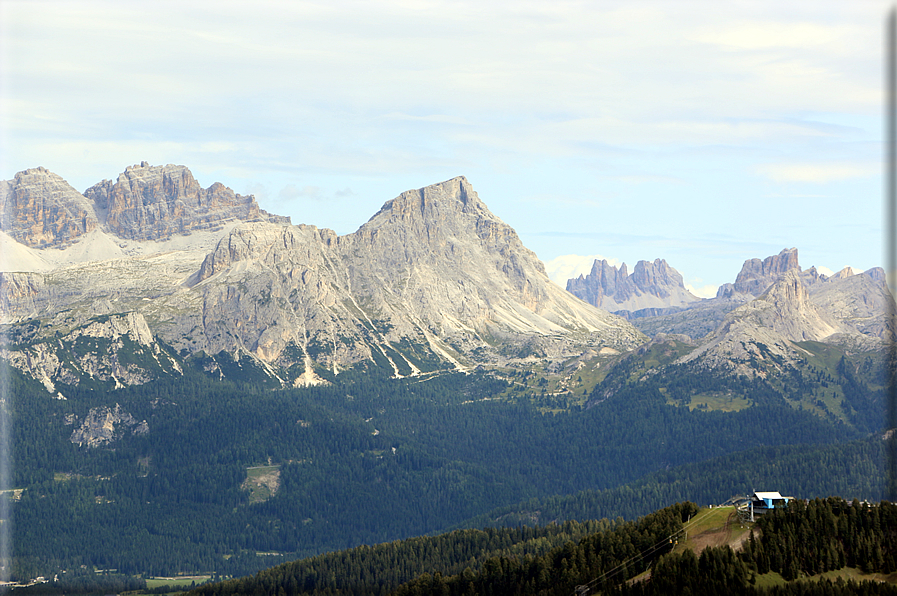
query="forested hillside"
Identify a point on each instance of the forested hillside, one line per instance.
(807, 548)
(855, 468)
(224, 470)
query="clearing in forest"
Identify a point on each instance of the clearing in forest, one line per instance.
(262, 482)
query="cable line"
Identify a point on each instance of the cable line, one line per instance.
(584, 589)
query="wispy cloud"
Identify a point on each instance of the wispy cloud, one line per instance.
(796, 196)
(566, 115)
(650, 178)
(816, 172)
(434, 118)
(291, 191)
(704, 291)
(565, 267)
(769, 34)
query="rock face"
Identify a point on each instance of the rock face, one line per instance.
(759, 336)
(860, 301)
(39, 209)
(104, 425)
(155, 202)
(433, 277)
(786, 309)
(756, 275)
(432, 281)
(651, 285)
(17, 294)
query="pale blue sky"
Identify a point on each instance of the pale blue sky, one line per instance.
(701, 132)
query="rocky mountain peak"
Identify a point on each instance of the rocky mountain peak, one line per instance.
(434, 276)
(656, 278)
(845, 273)
(651, 285)
(438, 215)
(40, 209)
(876, 273)
(431, 202)
(443, 221)
(786, 309)
(756, 275)
(155, 202)
(763, 330)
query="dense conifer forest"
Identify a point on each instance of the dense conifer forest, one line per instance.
(371, 459)
(793, 546)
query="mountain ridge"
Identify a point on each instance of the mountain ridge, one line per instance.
(433, 279)
(651, 285)
(40, 209)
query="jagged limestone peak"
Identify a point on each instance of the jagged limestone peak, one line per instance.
(155, 202)
(756, 275)
(651, 285)
(433, 268)
(39, 209)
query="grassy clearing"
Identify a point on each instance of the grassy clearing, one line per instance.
(262, 482)
(724, 402)
(552, 387)
(770, 579)
(175, 582)
(822, 356)
(713, 527)
(856, 575)
(13, 493)
(847, 573)
(259, 471)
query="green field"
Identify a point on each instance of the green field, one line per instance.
(723, 402)
(176, 582)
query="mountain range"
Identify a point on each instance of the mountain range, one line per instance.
(231, 389)
(433, 281)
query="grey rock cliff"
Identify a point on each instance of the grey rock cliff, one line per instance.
(103, 425)
(860, 301)
(434, 268)
(757, 338)
(756, 275)
(18, 292)
(155, 202)
(749, 333)
(40, 209)
(761, 336)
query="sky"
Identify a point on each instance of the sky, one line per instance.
(700, 132)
